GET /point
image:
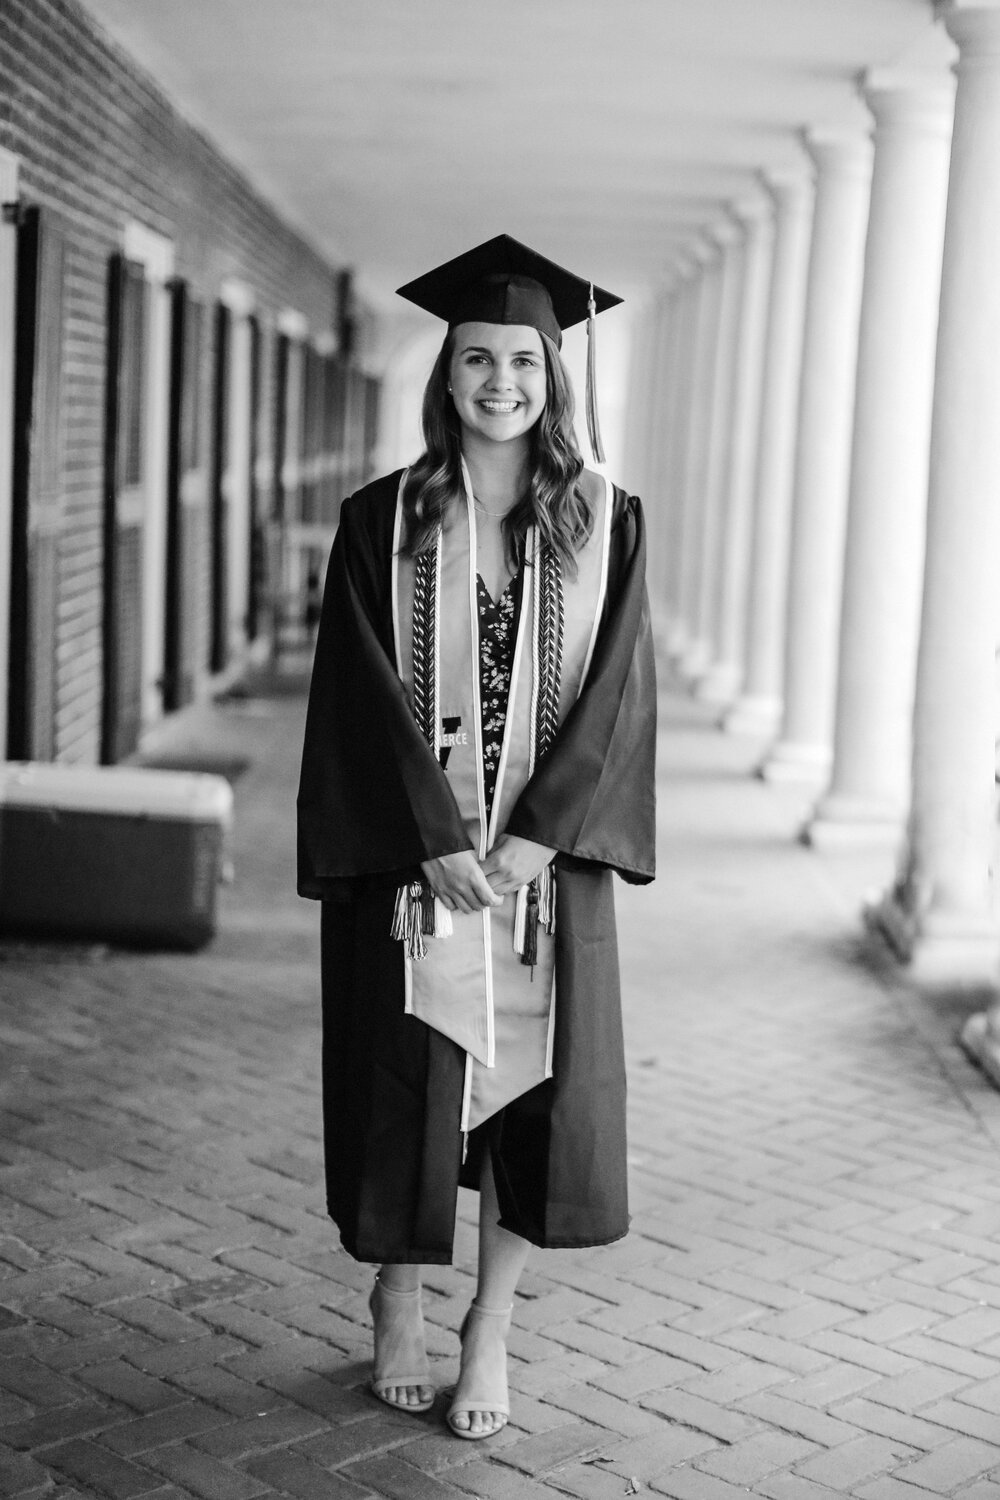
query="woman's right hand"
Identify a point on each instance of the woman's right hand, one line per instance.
(457, 879)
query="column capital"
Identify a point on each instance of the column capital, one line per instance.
(726, 232)
(704, 250)
(752, 209)
(788, 187)
(844, 153)
(974, 25)
(914, 98)
(684, 266)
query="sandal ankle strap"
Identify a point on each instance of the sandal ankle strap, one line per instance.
(391, 1291)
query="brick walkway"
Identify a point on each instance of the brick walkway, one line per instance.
(808, 1305)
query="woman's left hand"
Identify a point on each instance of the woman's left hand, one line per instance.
(512, 862)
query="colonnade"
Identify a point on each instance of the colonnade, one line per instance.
(825, 440)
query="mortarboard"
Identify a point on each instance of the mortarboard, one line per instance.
(503, 281)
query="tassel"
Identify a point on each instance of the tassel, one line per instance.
(534, 905)
(406, 920)
(520, 912)
(443, 925)
(418, 913)
(530, 954)
(593, 421)
(526, 923)
(547, 899)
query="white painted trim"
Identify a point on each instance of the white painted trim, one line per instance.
(153, 251)
(292, 323)
(10, 166)
(9, 169)
(154, 495)
(238, 296)
(236, 482)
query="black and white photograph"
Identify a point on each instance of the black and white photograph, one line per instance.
(499, 749)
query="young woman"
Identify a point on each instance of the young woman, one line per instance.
(478, 760)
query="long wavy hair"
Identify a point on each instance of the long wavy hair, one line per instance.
(553, 499)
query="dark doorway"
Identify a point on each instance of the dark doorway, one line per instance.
(36, 493)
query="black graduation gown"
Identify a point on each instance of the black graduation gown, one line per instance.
(373, 802)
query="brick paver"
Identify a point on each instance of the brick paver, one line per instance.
(808, 1304)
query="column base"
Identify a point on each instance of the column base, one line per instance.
(678, 640)
(941, 948)
(840, 822)
(754, 716)
(695, 661)
(720, 684)
(795, 763)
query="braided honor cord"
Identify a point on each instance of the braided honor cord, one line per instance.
(417, 914)
(550, 649)
(424, 631)
(536, 902)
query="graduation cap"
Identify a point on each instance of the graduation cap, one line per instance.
(503, 281)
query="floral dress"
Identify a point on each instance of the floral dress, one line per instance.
(497, 637)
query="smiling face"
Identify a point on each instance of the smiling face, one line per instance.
(498, 380)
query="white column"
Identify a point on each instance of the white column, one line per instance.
(758, 709)
(941, 909)
(706, 325)
(869, 788)
(728, 235)
(676, 452)
(722, 681)
(823, 454)
(659, 397)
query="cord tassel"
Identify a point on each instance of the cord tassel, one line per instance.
(417, 914)
(427, 913)
(443, 925)
(407, 921)
(593, 421)
(526, 923)
(547, 899)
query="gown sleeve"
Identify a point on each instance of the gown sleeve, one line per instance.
(593, 797)
(372, 797)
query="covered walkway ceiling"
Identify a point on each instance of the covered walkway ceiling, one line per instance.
(397, 132)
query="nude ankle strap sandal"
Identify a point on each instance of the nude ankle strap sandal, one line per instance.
(385, 1302)
(500, 1316)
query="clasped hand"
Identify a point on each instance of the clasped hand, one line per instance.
(464, 883)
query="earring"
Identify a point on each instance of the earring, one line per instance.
(449, 390)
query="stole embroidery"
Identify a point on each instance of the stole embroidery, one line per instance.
(417, 915)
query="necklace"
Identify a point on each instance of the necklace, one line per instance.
(497, 515)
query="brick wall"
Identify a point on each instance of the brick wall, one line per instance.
(99, 145)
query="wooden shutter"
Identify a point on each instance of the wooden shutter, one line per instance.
(219, 522)
(257, 567)
(124, 504)
(186, 489)
(37, 488)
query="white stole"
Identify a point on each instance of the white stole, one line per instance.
(473, 979)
